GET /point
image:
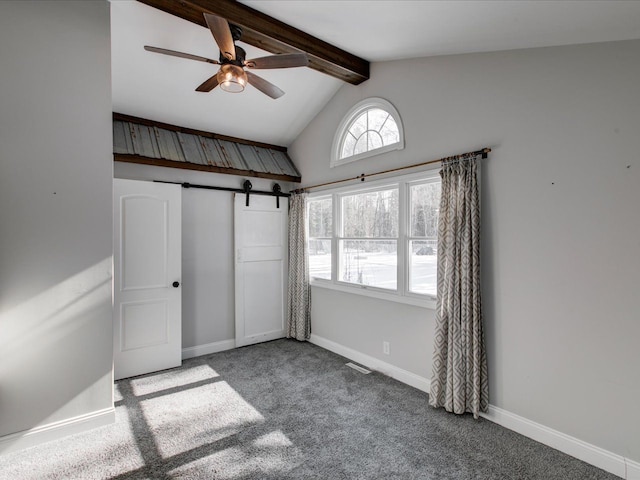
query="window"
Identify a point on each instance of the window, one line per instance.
(368, 241)
(379, 240)
(424, 202)
(371, 127)
(320, 227)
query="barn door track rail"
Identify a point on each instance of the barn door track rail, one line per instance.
(276, 191)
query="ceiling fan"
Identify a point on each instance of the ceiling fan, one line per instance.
(232, 76)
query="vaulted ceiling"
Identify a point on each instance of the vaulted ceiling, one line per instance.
(162, 88)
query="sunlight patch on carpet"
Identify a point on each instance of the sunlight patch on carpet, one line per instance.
(197, 416)
(171, 379)
(269, 454)
(110, 448)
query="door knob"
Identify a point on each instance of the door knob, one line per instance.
(176, 284)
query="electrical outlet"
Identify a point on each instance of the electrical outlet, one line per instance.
(385, 348)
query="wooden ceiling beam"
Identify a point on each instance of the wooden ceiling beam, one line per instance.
(272, 35)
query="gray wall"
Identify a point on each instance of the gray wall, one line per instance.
(208, 301)
(56, 221)
(561, 230)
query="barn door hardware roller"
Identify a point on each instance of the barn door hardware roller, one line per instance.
(246, 186)
(277, 190)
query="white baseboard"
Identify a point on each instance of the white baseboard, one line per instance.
(56, 430)
(596, 456)
(575, 447)
(633, 470)
(208, 348)
(416, 381)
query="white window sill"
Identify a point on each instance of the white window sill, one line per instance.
(369, 153)
(428, 302)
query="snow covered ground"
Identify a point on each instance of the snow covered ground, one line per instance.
(378, 269)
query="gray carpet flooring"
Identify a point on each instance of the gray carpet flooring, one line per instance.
(287, 410)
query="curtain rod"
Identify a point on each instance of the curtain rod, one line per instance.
(483, 151)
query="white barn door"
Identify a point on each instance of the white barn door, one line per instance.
(147, 327)
(260, 268)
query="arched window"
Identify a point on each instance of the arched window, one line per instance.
(371, 127)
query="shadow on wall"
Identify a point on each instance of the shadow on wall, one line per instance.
(57, 352)
(487, 260)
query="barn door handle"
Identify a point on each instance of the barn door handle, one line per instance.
(176, 284)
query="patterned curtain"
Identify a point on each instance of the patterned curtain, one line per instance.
(459, 378)
(299, 291)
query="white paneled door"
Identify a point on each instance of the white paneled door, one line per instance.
(260, 268)
(147, 327)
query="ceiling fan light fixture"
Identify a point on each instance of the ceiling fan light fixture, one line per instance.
(232, 78)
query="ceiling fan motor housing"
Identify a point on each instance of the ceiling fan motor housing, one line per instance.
(240, 57)
(236, 33)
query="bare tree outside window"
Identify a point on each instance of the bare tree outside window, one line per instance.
(424, 202)
(378, 240)
(368, 246)
(371, 127)
(320, 219)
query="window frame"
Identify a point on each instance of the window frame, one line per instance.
(402, 293)
(351, 116)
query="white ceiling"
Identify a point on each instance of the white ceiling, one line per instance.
(162, 88)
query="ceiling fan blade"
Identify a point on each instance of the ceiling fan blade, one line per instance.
(265, 87)
(173, 53)
(222, 35)
(287, 60)
(209, 84)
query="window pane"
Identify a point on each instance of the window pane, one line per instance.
(390, 133)
(320, 218)
(320, 258)
(361, 144)
(374, 140)
(425, 204)
(376, 118)
(348, 146)
(369, 262)
(371, 214)
(423, 267)
(358, 127)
